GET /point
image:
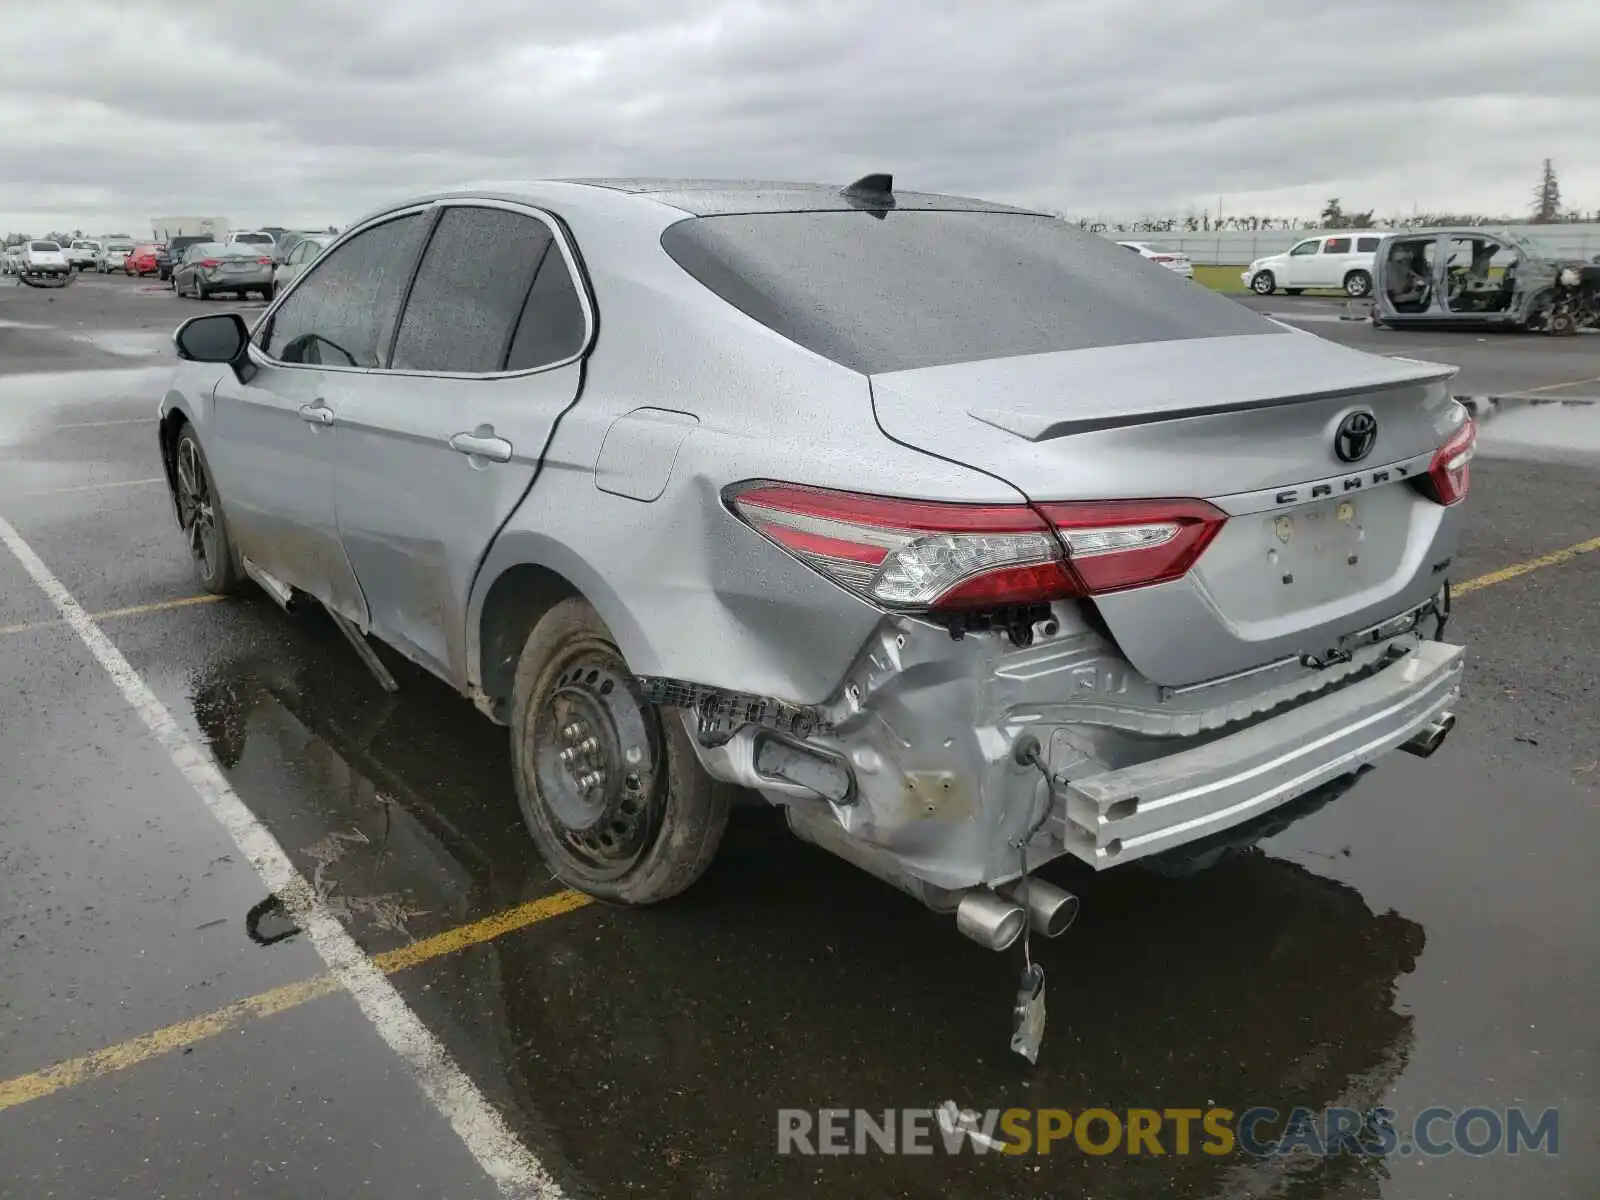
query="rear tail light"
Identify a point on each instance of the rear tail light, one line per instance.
(1450, 473)
(210, 262)
(1161, 258)
(263, 262)
(917, 554)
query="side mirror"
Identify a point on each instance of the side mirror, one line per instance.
(216, 338)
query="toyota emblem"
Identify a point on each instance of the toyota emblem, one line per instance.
(1356, 436)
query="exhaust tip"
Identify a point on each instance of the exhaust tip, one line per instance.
(989, 919)
(1051, 909)
(1429, 738)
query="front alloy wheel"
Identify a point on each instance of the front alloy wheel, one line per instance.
(1263, 283)
(204, 529)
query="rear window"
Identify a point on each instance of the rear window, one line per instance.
(910, 289)
(43, 247)
(1367, 245)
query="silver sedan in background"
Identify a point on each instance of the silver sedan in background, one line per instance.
(299, 256)
(211, 267)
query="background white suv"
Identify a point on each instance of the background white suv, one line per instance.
(1340, 260)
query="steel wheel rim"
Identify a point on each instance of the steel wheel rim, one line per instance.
(196, 510)
(597, 761)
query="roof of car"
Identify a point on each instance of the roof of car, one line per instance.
(712, 197)
(695, 197)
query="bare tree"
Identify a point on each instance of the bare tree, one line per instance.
(1547, 196)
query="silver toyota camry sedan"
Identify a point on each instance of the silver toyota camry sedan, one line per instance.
(965, 537)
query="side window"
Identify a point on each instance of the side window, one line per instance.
(1368, 245)
(341, 314)
(475, 278)
(1306, 248)
(552, 327)
(1337, 246)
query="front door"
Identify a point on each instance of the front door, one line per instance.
(438, 449)
(1301, 265)
(276, 435)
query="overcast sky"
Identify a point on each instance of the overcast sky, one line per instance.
(283, 112)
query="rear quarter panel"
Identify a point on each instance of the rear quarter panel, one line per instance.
(687, 589)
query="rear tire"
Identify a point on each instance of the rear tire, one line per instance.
(1357, 284)
(650, 820)
(216, 561)
(1262, 283)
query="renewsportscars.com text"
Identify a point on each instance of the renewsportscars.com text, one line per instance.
(1259, 1132)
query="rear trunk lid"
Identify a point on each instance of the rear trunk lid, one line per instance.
(1315, 548)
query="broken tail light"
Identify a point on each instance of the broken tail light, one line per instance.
(920, 554)
(1450, 473)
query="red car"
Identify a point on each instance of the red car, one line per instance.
(143, 260)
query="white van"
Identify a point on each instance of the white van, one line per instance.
(1340, 260)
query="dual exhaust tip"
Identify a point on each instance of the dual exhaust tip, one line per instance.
(996, 918)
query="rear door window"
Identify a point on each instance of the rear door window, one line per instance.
(342, 313)
(1337, 246)
(475, 280)
(892, 291)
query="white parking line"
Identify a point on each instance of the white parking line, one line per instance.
(99, 424)
(93, 487)
(480, 1126)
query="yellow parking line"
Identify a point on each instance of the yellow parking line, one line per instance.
(1551, 387)
(1554, 559)
(132, 611)
(152, 1045)
(146, 1046)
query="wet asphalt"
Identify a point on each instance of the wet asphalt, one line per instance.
(1427, 937)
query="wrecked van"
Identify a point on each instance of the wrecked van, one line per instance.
(1474, 277)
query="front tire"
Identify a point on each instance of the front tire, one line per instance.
(610, 786)
(1357, 284)
(216, 561)
(1262, 283)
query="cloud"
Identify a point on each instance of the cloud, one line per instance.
(306, 113)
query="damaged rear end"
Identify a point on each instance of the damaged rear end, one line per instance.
(1221, 584)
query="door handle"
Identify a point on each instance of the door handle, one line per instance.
(316, 414)
(482, 443)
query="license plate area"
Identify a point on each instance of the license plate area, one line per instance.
(1268, 566)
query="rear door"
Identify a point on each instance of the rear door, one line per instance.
(438, 449)
(1333, 261)
(273, 450)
